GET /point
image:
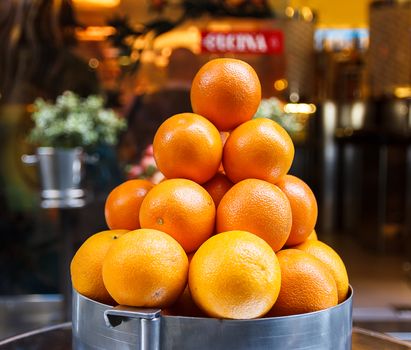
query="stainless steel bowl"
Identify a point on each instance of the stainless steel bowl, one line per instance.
(99, 326)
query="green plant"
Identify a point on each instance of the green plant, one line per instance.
(272, 108)
(74, 122)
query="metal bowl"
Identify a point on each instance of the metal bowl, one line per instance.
(100, 326)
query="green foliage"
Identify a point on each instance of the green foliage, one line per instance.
(74, 122)
(272, 108)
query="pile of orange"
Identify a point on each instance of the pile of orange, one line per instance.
(229, 233)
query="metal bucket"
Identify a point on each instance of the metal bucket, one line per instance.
(61, 171)
(99, 326)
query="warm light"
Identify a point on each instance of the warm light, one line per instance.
(135, 55)
(219, 26)
(289, 11)
(93, 63)
(166, 52)
(307, 14)
(294, 97)
(280, 84)
(300, 108)
(192, 29)
(94, 33)
(140, 43)
(148, 56)
(30, 108)
(124, 61)
(96, 3)
(189, 38)
(161, 61)
(402, 92)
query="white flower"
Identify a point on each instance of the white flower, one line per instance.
(73, 121)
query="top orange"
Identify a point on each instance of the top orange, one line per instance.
(227, 92)
(188, 146)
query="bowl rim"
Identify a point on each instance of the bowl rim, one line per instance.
(332, 309)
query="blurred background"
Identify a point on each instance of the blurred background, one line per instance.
(336, 75)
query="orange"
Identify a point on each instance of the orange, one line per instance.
(226, 91)
(86, 265)
(145, 268)
(190, 257)
(303, 207)
(188, 146)
(259, 207)
(260, 149)
(312, 236)
(181, 208)
(332, 260)
(184, 306)
(217, 187)
(224, 136)
(123, 204)
(306, 284)
(234, 275)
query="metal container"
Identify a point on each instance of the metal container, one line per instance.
(99, 326)
(60, 171)
(23, 313)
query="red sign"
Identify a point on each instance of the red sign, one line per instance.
(255, 42)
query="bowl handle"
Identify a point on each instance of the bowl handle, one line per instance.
(149, 319)
(29, 159)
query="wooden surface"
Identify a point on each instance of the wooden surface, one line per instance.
(367, 340)
(59, 337)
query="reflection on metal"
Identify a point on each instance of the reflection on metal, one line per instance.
(59, 337)
(329, 172)
(67, 203)
(401, 335)
(322, 330)
(351, 116)
(61, 172)
(24, 313)
(358, 115)
(329, 119)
